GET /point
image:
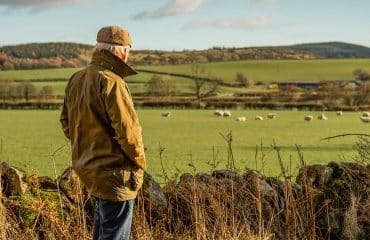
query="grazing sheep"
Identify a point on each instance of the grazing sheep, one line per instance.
(227, 114)
(218, 113)
(366, 114)
(339, 113)
(259, 118)
(241, 119)
(271, 115)
(166, 114)
(322, 117)
(365, 119)
(308, 118)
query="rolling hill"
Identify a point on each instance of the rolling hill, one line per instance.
(65, 55)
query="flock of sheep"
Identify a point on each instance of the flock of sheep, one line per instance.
(365, 117)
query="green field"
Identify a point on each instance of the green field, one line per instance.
(30, 138)
(257, 70)
(138, 83)
(276, 70)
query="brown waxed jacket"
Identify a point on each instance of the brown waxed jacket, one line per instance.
(99, 119)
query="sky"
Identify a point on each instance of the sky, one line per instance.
(187, 24)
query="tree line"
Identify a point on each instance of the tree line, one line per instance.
(59, 55)
(10, 90)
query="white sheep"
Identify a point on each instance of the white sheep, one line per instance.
(365, 119)
(366, 114)
(218, 113)
(322, 117)
(259, 118)
(166, 114)
(271, 115)
(227, 114)
(241, 119)
(339, 113)
(308, 118)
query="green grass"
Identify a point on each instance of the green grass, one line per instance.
(276, 70)
(30, 138)
(58, 87)
(258, 70)
(43, 77)
(38, 74)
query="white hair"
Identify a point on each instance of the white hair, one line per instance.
(117, 50)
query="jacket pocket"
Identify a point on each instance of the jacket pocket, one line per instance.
(136, 178)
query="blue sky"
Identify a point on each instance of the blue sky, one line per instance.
(188, 24)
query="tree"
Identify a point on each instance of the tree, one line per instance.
(243, 80)
(331, 93)
(25, 90)
(46, 91)
(161, 86)
(363, 95)
(361, 74)
(4, 89)
(203, 85)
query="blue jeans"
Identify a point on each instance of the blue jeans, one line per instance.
(112, 220)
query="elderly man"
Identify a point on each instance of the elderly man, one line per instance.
(99, 119)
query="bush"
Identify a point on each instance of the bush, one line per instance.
(161, 86)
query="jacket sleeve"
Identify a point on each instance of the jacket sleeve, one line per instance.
(64, 120)
(124, 121)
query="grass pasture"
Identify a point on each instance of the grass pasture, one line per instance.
(257, 70)
(30, 139)
(276, 70)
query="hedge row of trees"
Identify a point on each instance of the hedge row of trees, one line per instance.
(23, 91)
(53, 55)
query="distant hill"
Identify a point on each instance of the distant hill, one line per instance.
(333, 50)
(56, 55)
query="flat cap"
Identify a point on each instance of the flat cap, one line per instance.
(114, 35)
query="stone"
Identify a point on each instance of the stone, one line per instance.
(153, 192)
(317, 175)
(12, 181)
(47, 183)
(70, 185)
(203, 177)
(225, 174)
(186, 178)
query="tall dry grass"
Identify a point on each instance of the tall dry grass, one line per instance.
(227, 204)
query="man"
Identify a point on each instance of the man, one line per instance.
(99, 119)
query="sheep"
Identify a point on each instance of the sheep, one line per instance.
(366, 114)
(259, 118)
(339, 113)
(271, 115)
(227, 114)
(241, 119)
(322, 117)
(166, 114)
(308, 118)
(218, 113)
(365, 119)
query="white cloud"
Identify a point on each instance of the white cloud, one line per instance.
(247, 23)
(173, 7)
(35, 3)
(265, 1)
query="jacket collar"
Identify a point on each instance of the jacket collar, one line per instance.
(109, 61)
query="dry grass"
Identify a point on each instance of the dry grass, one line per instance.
(223, 205)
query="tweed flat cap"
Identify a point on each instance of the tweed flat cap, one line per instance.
(114, 35)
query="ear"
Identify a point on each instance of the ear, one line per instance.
(124, 55)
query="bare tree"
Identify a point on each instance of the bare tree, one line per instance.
(243, 80)
(46, 92)
(161, 86)
(203, 86)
